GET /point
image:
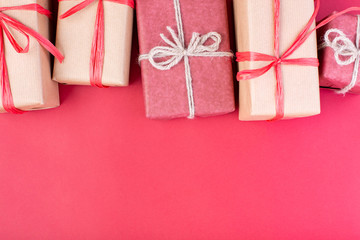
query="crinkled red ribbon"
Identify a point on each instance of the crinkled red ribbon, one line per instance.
(277, 60)
(98, 48)
(6, 23)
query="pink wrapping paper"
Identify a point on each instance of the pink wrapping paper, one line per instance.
(333, 75)
(165, 91)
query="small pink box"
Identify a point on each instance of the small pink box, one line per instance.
(332, 74)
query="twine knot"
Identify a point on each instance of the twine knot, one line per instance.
(175, 52)
(278, 61)
(345, 52)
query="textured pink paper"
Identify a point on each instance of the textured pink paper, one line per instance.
(165, 91)
(333, 75)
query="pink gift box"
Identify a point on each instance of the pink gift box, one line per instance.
(165, 91)
(332, 74)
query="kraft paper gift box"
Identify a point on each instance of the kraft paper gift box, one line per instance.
(74, 39)
(340, 35)
(29, 73)
(166, 90)
(254, 22)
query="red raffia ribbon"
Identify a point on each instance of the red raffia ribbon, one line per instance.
(98, 48)
(6, 23)
(277, 60)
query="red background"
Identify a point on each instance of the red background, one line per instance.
(95, 168)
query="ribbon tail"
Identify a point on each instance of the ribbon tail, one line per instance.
(29, 7)
(305, 32)
(279, 95)
(6, 96)
(312, 62)
(76, 8)
(98, 48)
(335, 15)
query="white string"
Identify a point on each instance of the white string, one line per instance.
(176, 51)
(345, 48)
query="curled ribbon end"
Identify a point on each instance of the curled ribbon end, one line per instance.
(61, 58)
(57, 54)
(62, 16)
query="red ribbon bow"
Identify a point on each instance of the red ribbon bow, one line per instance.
(277, 60)
(7, 22)
(98, 48)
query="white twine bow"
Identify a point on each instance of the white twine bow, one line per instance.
(346, 52)
(176, 51)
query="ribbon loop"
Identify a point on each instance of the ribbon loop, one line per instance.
(177, 51)
(11, 38)
(342, 46)
(7, 22)
(197, 43)
(254, 73)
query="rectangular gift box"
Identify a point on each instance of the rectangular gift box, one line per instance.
(254, 21)
(332, 74)
(29, 73)
(74, 39)
(166, 94)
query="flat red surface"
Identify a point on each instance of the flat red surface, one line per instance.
(95, 168)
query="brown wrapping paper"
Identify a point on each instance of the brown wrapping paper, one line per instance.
(74, 39)
(29, 73)
(254, 21)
